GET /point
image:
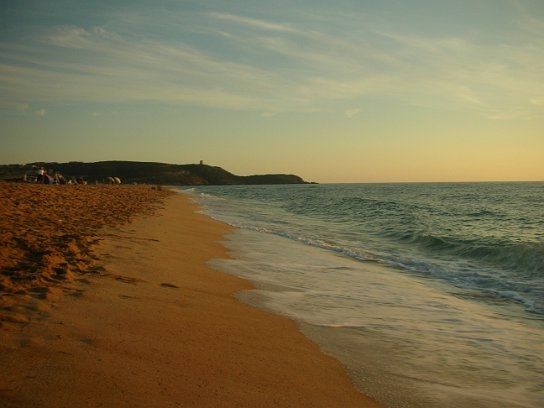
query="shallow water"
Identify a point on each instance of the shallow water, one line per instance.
(409, 332)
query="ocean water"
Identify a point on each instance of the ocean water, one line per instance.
(432, 295)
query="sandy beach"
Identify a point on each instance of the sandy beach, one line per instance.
(47, 234)
(142, 320)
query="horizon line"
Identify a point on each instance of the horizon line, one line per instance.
(306, 181)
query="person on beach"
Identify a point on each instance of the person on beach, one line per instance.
(47, 179)
(59, 178)
(39, 175)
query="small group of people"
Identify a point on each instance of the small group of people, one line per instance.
(41, 176)
(113, 180)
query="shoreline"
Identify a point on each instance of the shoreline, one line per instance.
(405, 339)
(162, 328)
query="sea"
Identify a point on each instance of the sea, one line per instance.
(430, 294)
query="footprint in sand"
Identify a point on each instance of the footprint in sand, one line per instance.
(77, 293)
(88, 341)
(95, 269)
(124, 279)
(128, 297)
(169, 285)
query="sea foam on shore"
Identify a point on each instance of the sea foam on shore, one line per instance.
(407, 339)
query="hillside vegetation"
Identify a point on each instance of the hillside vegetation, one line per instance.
(149, 172)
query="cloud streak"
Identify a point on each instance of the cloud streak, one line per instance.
(253, 22)
(269, 66)
(350, 113)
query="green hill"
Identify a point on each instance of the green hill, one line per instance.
(149, 172)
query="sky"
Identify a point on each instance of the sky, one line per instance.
(343, 91)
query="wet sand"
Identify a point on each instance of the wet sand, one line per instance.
(158, 327)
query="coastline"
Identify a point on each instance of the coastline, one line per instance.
(162, 328)
(406, 338)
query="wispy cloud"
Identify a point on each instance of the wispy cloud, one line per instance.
(113, 69)
(271, 66)
(77, 37)
(253, 22)
(512, 115)
(526, 21)
(350, 113)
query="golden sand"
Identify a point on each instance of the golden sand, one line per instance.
(159, 328)
(46, 235)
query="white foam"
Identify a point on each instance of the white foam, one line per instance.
(421, 330)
